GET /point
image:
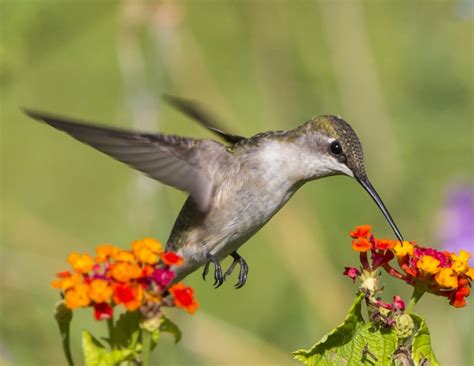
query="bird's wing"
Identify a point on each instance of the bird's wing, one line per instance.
(184, 163)
(196, 112)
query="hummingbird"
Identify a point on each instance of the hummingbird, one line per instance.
(235, 187)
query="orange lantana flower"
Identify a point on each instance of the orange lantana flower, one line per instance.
(458, 300)
(124, 271)
(77, 296)
(171, 258)
(81, 263)
(105, 251)
(429, 270)
(147, 250)
(184, 297)
(66, 280)
(100, 291)
(129, 295)
(384, 244)
(361, 245)
(133, 278)
(124, 256)
(362, 231)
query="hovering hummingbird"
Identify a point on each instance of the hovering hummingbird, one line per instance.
(234, 189)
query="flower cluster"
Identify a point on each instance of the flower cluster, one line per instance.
(388, 315)
(427, 269)
(136, 278)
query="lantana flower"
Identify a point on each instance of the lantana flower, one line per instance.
(78, 296)
(130, 295)
(105, 252)
(131, 278)
(184, 297)
(171, 259)
(66, 280)
(429, 270)
(82, 263)
(100, 291)
(147, 250)
(362, 231)
(351, 272)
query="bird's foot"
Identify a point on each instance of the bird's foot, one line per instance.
(244, 270)
(218, 276)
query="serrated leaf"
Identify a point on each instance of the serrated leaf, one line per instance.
(349, 342)
(422, 353)
(170, 327)
(95, 354)
(348, 326)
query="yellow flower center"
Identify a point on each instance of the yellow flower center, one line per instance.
(428, 264)
(470, 273)
(403, 248)
(460, 264)
(447, 278)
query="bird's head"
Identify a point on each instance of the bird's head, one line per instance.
(338, 146)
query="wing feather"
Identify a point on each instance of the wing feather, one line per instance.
(196, 112)
(184, 163)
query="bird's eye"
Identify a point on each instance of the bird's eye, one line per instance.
(335, 148)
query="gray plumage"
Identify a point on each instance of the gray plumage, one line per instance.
(235, 189)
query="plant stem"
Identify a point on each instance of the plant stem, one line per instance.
(66, 347)
(63, 316)
(110, 328)
(418, 292)
(146, 343)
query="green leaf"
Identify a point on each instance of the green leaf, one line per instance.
(348, 343)
(127, 330)
(91, 348)
(155, 336)
(165, 325)
(95, 354)
(170, 327)
(336, 336)
(421, 346)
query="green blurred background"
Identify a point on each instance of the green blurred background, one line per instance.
(401, 72)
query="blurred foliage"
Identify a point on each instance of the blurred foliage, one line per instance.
(399, 71)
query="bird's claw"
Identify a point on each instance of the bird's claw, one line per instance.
(243, 273)
(218, 276)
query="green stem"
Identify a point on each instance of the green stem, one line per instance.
(146, 344)
(66, 346)
(110, 328)
(418, 292)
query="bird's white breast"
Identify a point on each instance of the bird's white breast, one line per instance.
(268, 178)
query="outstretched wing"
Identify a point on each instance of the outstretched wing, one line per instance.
(181, 162)
(196, 112)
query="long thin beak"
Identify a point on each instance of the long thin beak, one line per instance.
(373, 193)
